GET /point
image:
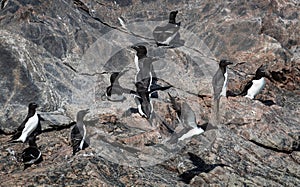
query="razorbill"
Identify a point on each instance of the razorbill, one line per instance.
(165, 34)
(78, 133)
(28, 126)
(219, 83)
(143, 97)
(256, 84)
(187, 118)
(144, 65)
(115, 92)
(31, 154)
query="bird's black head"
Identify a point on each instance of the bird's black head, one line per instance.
(140, 86)
(82, 113)
(172, 17)
(224, 63)
(141, 51)
(114, 77)
(31, 141)
(32, 106)
(262, 72)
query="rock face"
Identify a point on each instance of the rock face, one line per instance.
(60, 54)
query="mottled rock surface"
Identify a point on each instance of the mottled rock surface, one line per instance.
(61, 54)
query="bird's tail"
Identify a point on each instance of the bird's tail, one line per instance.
(216, 112)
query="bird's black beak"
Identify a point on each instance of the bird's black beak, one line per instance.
(134, 47)
(228, 62)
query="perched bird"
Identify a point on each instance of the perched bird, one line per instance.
(143, 97)
(256, 84)
(187, 118)
(165, 34)
(115, 92)
(219, 83)
(143, 65)
(31, 154)
(29, 125)
(78, 133)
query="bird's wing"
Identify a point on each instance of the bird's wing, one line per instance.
(162, 88)
(246, 88)
(188, 116)
(217, 83)
(175, 105)
(76, 138)
(160, 34)
(18, 133)
(30, 155)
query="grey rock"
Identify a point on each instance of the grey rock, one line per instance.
(61, 53)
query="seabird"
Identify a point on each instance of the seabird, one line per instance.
(28, 126)
(115, 92)
(31, 154)
(187, 118)
(143, 97)
(165, 34)
(256, 84)
(78, 133)
(122, 22)
(144, 65)
(219, 83)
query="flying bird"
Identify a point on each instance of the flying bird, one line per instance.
(165, 34)
(187, 117)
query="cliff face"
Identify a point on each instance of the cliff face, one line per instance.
(60, 54)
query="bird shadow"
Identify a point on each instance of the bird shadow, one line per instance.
(267, 102)
(130, 111)
(201, 167)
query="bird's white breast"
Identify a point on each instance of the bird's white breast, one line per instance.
(224, 88)
(30, 126)
(83, 137)
(256, 87)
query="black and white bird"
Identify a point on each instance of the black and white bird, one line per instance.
(79, 133)
(115, 91)
(145, 70)
(256, 84)
(187, 117)
(143, 97)
(144, 65)
(165, 34)
(31, 154)
(29, 125)
(219, 83)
